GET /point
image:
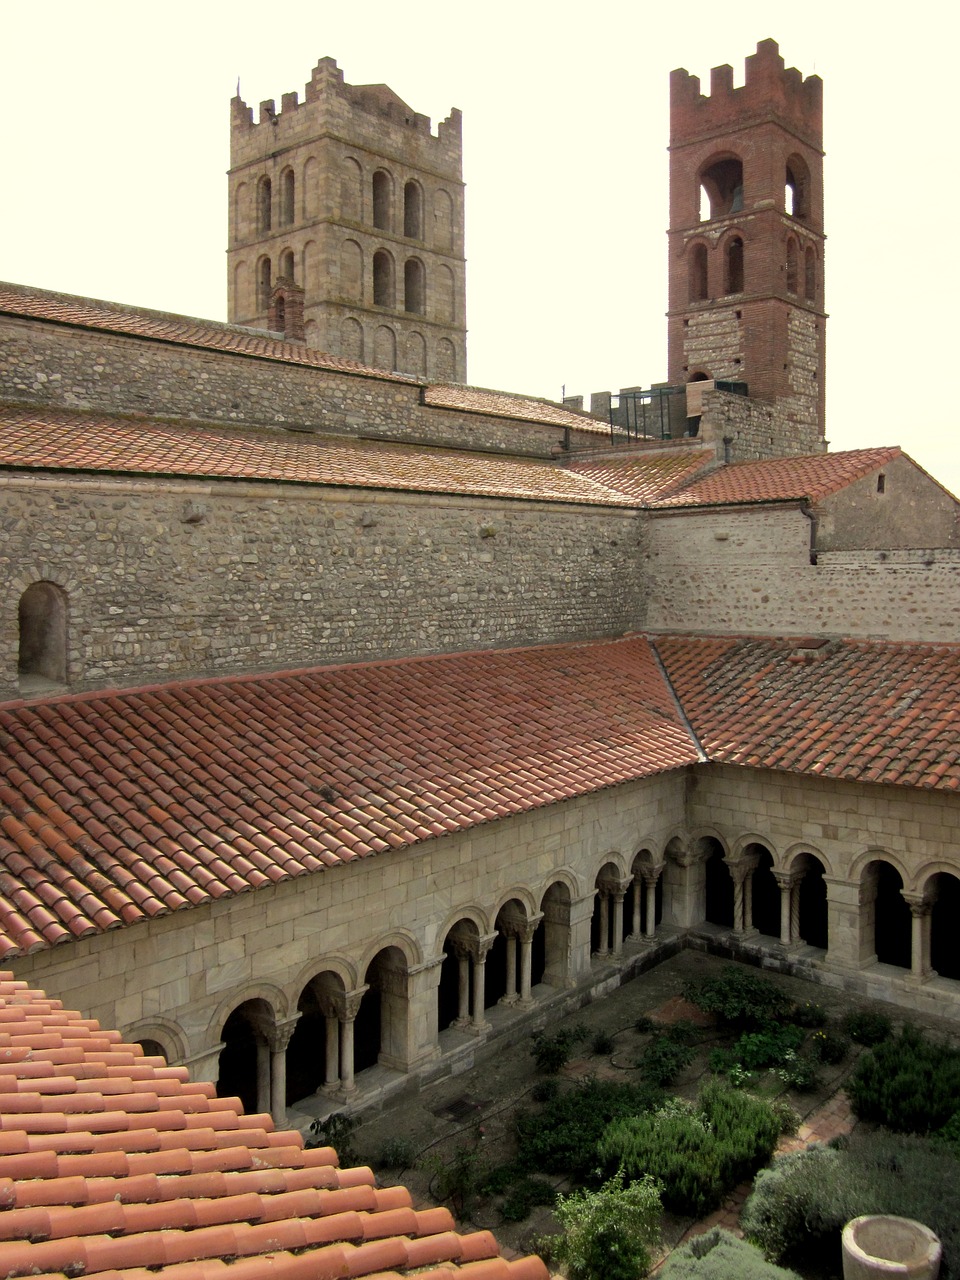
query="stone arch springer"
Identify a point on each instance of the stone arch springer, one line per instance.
(344, 968)
(751, 837)
(924, 874)
(404, 941)
(698, 835)
(570, 880)
(266, 991)
(795, 851)
(875, 854)
(612, 857)
(165, 1031)
(476, 915)
(519, 894)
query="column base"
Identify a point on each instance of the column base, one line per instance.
(509, 1000)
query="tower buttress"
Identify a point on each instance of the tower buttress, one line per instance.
(746, 240)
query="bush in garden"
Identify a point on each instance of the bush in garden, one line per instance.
(829, 1047)
(664, 1058)
(740, 997)
(397, 1153)
(563, 1136)
(335, 1131)
(949, 1135)
(697, 1153)
(798, 1072)
(719, 1255)
(799, 1207)
(525, 1193)
(768, 1048)
(867, 1027)
(908, 1083)
(545, 1090)
(602, 1044)
(808, 1015)
(608, 1233)
(553, 1052)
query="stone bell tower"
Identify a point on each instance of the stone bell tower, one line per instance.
(746, 239)
(352, 198)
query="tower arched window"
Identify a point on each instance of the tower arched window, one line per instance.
(288, 197)
(810, 274)
(413, 211)
(264, 284)
(42, 621)
(414, 286)
(698, 273)
(796, 190)
(721, 183)
(286, 271)
(384, 284)
(382, 200)
(264, 204)
(793, 266)
(733, 266)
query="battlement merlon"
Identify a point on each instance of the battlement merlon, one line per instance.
(327, 86)
(771, 90)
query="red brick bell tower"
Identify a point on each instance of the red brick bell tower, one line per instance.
(746, 239)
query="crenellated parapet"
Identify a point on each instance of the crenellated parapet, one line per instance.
(771, 91)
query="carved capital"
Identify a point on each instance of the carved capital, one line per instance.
(282, 1034)
(651, 871)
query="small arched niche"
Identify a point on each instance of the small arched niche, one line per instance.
(42, 620)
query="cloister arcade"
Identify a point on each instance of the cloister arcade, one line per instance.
(402, 1006)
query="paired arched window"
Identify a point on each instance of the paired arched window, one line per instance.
(264, 284)
(721, 188)
(288, 198)
(264, 204)
(384, 283)
(733, 266)
(414, 286)
(793, 266)
(286, 271)
(382, 201)
(42, 620)
(413, 211)
(810, 274)
(698, 273)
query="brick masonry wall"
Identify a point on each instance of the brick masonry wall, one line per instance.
(750, 572)
(51, 366)
(169, 579)
(191, 968)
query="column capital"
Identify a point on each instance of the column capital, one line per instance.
(283, 1033)
(918, 904)
(787, 879)
(651, 871)
(349, 1003)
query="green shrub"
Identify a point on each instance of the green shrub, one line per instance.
(644, 1023)
(719, 1255)
(608, 1233)
(563, 1136)
(397, 1153)
(526, 1192)
(768, 1048)
(908, 1083)
(867, 1027)
(553, 1052)
(799, 1207)
(335, 1131)
(799, 1072)
(740, 997)
(829, 1047)
(808, 1015)
(663, 1059)
(949, 1135)
(499, 1178)
(697, 1153)
(545, 1090)
(602, 1044)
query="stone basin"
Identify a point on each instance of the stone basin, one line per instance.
(884, 1245)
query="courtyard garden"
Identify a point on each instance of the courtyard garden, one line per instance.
(611, 1141)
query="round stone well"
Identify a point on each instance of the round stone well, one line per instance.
(883, 1245)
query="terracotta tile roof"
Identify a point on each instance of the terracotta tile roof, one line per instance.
(54, 440)
(646, 477)
(504, 404)
(114, 1164)
(118, 807)
(857, 710)
(162, 326)
(812, 477)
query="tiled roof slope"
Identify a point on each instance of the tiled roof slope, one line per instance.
(812, 477)
(503, 404)
(59, 440)
(115, 1165)
(162, 326)
(646, 478)
(857, 710)
(118, 807)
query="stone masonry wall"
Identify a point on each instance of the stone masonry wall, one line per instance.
(168, 579)
(53, 366)
(178, 977)
(750, 572)
(755, 428)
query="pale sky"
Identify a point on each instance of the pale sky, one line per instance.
(115, 137)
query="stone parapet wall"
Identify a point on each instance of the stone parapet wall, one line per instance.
(756, 428)
(169, 579)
